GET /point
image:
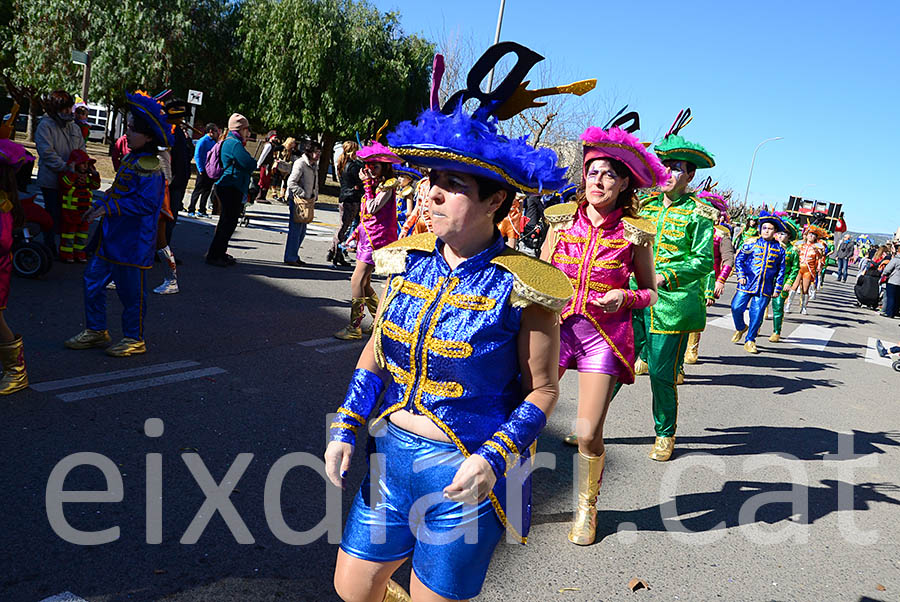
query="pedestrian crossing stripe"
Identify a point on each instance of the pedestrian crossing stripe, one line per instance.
(872, 354)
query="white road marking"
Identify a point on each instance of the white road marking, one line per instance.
(139, 384)
(341, 347)
(872, 354)
(810, 336)
(64, 597)
(725, 322)
(91, 379)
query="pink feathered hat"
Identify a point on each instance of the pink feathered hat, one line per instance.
(13, 154)
(376, 152)
(618, 144)
(714, 199)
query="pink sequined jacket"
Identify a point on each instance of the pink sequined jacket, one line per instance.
(378, 214)
(598, 259)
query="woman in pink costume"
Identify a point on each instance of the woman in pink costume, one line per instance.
(12, 352)
(599, 244)
(377, 228)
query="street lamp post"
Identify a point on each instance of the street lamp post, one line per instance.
(496, 41)
(752, 161)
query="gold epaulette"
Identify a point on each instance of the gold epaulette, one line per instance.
(391, 259)
(535, 281)
(558, 215)
(723, 230)
(147, 164)
(389, 184)
(639, 231)
(701, 209)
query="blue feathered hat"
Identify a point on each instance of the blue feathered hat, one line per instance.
(403, 170)
(450, 138)
(152, 112)
(770, 218)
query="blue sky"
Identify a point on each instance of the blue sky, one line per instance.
(824, 75)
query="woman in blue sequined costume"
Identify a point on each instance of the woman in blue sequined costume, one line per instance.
(467, 339)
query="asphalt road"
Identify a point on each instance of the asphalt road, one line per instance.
(761, 501)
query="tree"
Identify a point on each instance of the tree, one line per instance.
(329, 67)
(147, 44)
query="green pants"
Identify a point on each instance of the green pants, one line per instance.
(664, 354)
(778, 312)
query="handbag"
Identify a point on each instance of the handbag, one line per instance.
(283, 167)
(302, 210)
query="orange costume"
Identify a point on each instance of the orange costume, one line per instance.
(811, 260)
(419, 219)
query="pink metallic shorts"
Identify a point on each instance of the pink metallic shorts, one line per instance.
(583, 348)
(364, 248)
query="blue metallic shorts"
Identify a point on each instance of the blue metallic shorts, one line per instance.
(400, 511)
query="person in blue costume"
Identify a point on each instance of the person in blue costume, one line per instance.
(760, 265)
(466, 337)
(129, 212)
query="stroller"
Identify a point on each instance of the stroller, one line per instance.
(30, 257)
(868, 289)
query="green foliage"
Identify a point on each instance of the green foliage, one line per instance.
(148, 44)
(329, 66)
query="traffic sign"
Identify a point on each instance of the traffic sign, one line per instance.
(195, 97)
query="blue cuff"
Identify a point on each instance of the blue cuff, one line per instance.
(503, 449)
(362, 396)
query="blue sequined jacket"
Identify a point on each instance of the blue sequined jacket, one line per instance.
(762, 264)
(449, 340)
(128, 231)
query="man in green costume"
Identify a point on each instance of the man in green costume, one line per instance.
(684, 257)
(791, 269)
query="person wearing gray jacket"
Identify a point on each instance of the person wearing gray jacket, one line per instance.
(842, 254)
(56, 136)
(303, 191)
(892, 286)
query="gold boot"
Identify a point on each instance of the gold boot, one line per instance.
(679, 378)
(395, 593)
(750, 347)
(88, 338)
(775, 337)
(126, 347)
(641, 367)
(352, 332)
(571, 439)
(12, 356)
(738, 335)
(662, 449)
(692, 354)
(590, 475)
(372, 306)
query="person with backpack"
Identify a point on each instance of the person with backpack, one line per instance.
(203, 184)
(236, 166)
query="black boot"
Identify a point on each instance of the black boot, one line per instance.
(330, 256)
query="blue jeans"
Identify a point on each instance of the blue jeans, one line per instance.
(757, 303)
(889, 306)
(296, 234)
(843, 266)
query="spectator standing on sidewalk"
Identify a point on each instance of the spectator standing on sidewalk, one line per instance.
(56, 137)
(238, 165)
(303, 191)
(203, 184)
(348, 168)
(891, 273)
(842, 254)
